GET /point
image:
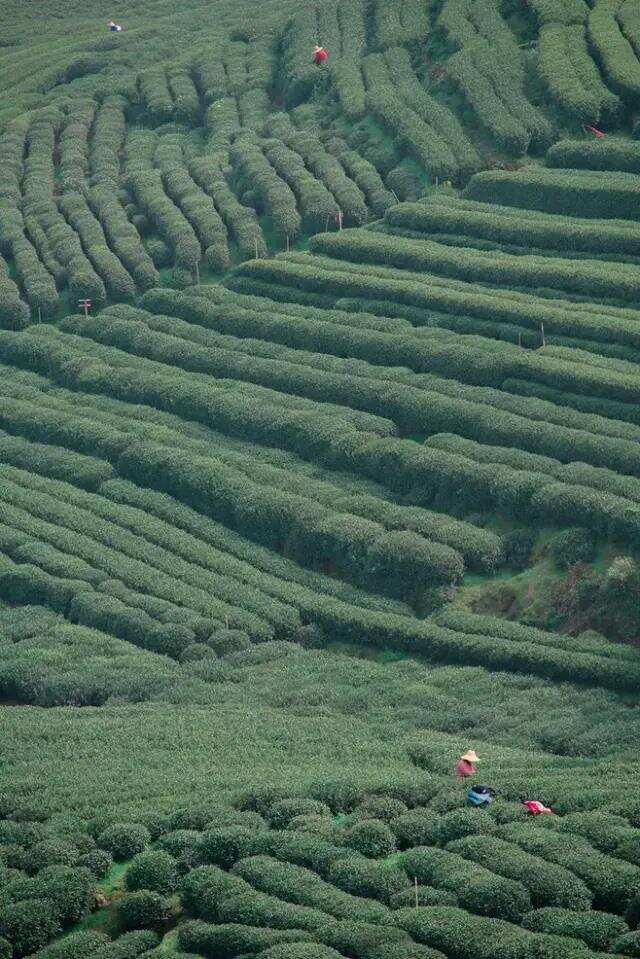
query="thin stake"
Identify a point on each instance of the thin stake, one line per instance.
(287, 242)
(326, 226)
(544, 342)
(415, 889)
(255, 242)
(197, 274)
(39, 315)
(519, 339)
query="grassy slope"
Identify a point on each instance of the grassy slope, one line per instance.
(291, 722)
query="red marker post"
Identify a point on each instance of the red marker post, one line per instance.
(86, 304)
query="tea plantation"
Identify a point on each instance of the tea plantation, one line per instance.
(319, 466)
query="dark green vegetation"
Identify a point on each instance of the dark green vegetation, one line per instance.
(339, 477)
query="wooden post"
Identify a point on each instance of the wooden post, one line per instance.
(226, 619)
(287, 242)
(544, 342)
(197, 274)
(437, 179)
(340, 220)
(520, 339)
(39, 315)
(415, 889)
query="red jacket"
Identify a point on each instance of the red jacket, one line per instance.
(320, 56)
(464, 769)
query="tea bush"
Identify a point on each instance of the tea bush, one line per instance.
(597, 929)
(143, 909)
(124, 840)
(155, 870)
(477, 889)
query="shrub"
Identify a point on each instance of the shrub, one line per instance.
(478, 889)
(300, 950)
(597, 929)
(226, 641)
(358, 939)
(418, 827)
(141, 910)
(229, 941)
(51, 852)
(282, 812)
(321, 826)
(629, 850)
(6, 949)
(602, 829)
(28, 925)
(180, 842)
(403, 950)
(627, 944)
(225, 845)
(632, 912)
(612, 881)
(425, 895)
(195, 652)
(372, 838)
(78, 945)
(363, 877)
(299, 885)
(384, 808)
(518, 546)
(205, 887)
(131, 945)
(572, 546)
(548, 884)
(69, 890)
(124, 840)
(463, 822)
(465, 936)
(154, 870)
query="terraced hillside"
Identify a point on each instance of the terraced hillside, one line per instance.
(336, 476)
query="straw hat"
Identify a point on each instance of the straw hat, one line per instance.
(470, 756)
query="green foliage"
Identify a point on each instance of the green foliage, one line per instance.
(572, 546)
(548, 883)
(97, 861)
(142, 909)
(597, 929)
(28, 925)
(628, 944)
(124, 840)
(611, 881)
(477, 889)
(77, 945)
(228, 941)
(281, 813)
(423, 896)
(299, 885)
(365, 877)
(449, 929)
(154, 870)
(372, 838)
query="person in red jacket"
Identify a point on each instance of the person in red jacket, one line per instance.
(320, 55)
(465, 766)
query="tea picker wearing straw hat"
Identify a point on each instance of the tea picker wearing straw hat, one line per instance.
(465, 766)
